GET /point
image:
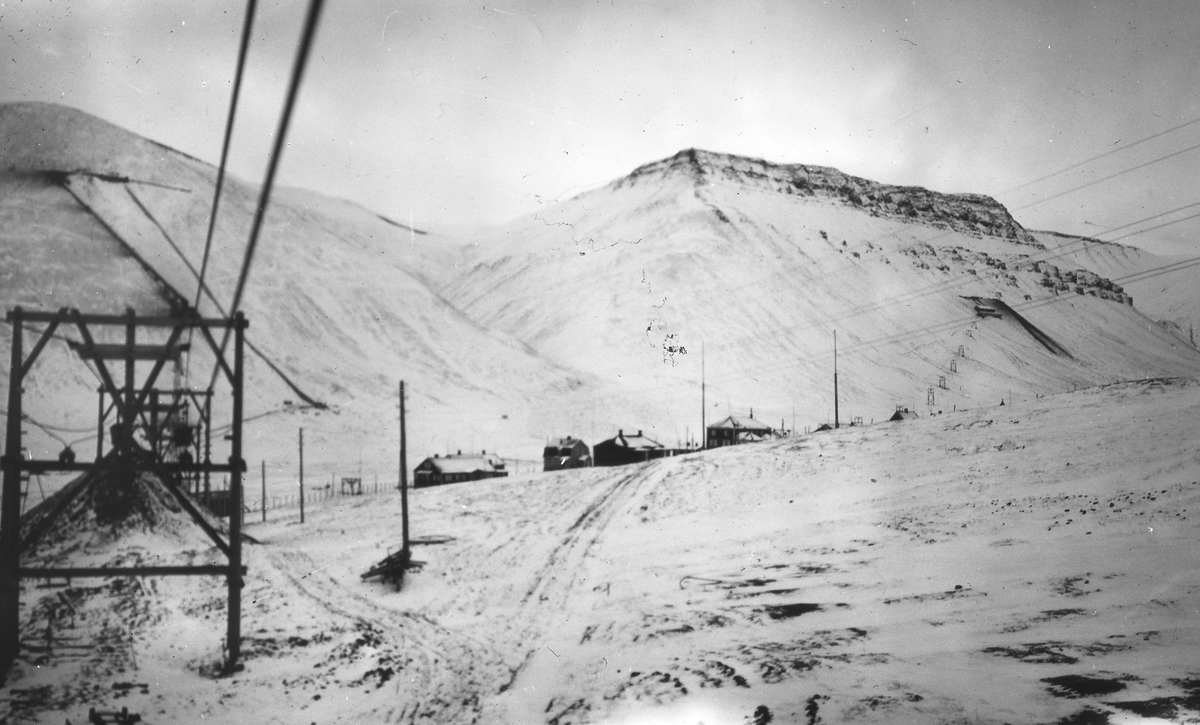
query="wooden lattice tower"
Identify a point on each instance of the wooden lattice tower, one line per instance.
(157, 414)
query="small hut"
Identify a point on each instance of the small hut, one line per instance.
(732, 430)
(459, 467)
(565, 453)
(624, 449)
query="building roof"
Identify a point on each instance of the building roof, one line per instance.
(467, 463)
(637, 442)
(741, 424)
(752, 435)
(568, 442)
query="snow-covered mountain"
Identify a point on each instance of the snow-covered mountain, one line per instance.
(342, 303)
(596, 314)
(758, 264)
(1163, 287)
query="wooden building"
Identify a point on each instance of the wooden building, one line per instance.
(459, 467)
(624, 449)
(733, 431)
(566, 453)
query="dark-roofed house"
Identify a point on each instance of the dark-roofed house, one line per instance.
(903, 414)
(732, 431)
(566, 453)
(629, 449)
(454, 468)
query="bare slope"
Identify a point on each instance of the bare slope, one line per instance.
(339, 300)
(759, 263)
(1026, 563)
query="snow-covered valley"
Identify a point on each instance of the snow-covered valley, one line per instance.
(1029, 563)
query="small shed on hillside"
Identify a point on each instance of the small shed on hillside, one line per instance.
(625, 449)
(566, 453)
(903, 414)
(733, 430)
(459, 467)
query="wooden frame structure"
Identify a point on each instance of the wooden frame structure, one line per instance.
(163, 411)
(133, 404)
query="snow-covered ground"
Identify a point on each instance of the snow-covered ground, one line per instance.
(1027, 563)
(1034, 562)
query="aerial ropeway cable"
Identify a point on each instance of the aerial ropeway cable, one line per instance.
(233, 102)
(306, 41)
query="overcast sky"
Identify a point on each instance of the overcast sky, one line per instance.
(455, 113)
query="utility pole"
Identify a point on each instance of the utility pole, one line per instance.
(264, 491)
(10, 512)
(835, 390)
(703, 404)
(403, 473)
(234, 578)
(301, 475)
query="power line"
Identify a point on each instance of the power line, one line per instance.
(1155, 272)
(1158, 226)
(1146, 219)
(1110, 176)
(1098, 157)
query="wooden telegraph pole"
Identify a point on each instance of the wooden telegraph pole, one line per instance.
(234, 579)
(403, 473)
(703, 405)
(264, 491)
(301, 475)
(835, 392)
(10, 512)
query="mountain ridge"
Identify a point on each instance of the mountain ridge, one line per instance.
(963, 212)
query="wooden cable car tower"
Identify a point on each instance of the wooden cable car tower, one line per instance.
(169, 438)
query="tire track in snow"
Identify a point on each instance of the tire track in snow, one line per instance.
(450, 674)
(554, 580)
(582, 536)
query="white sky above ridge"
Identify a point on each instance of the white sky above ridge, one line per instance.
(454, 114)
